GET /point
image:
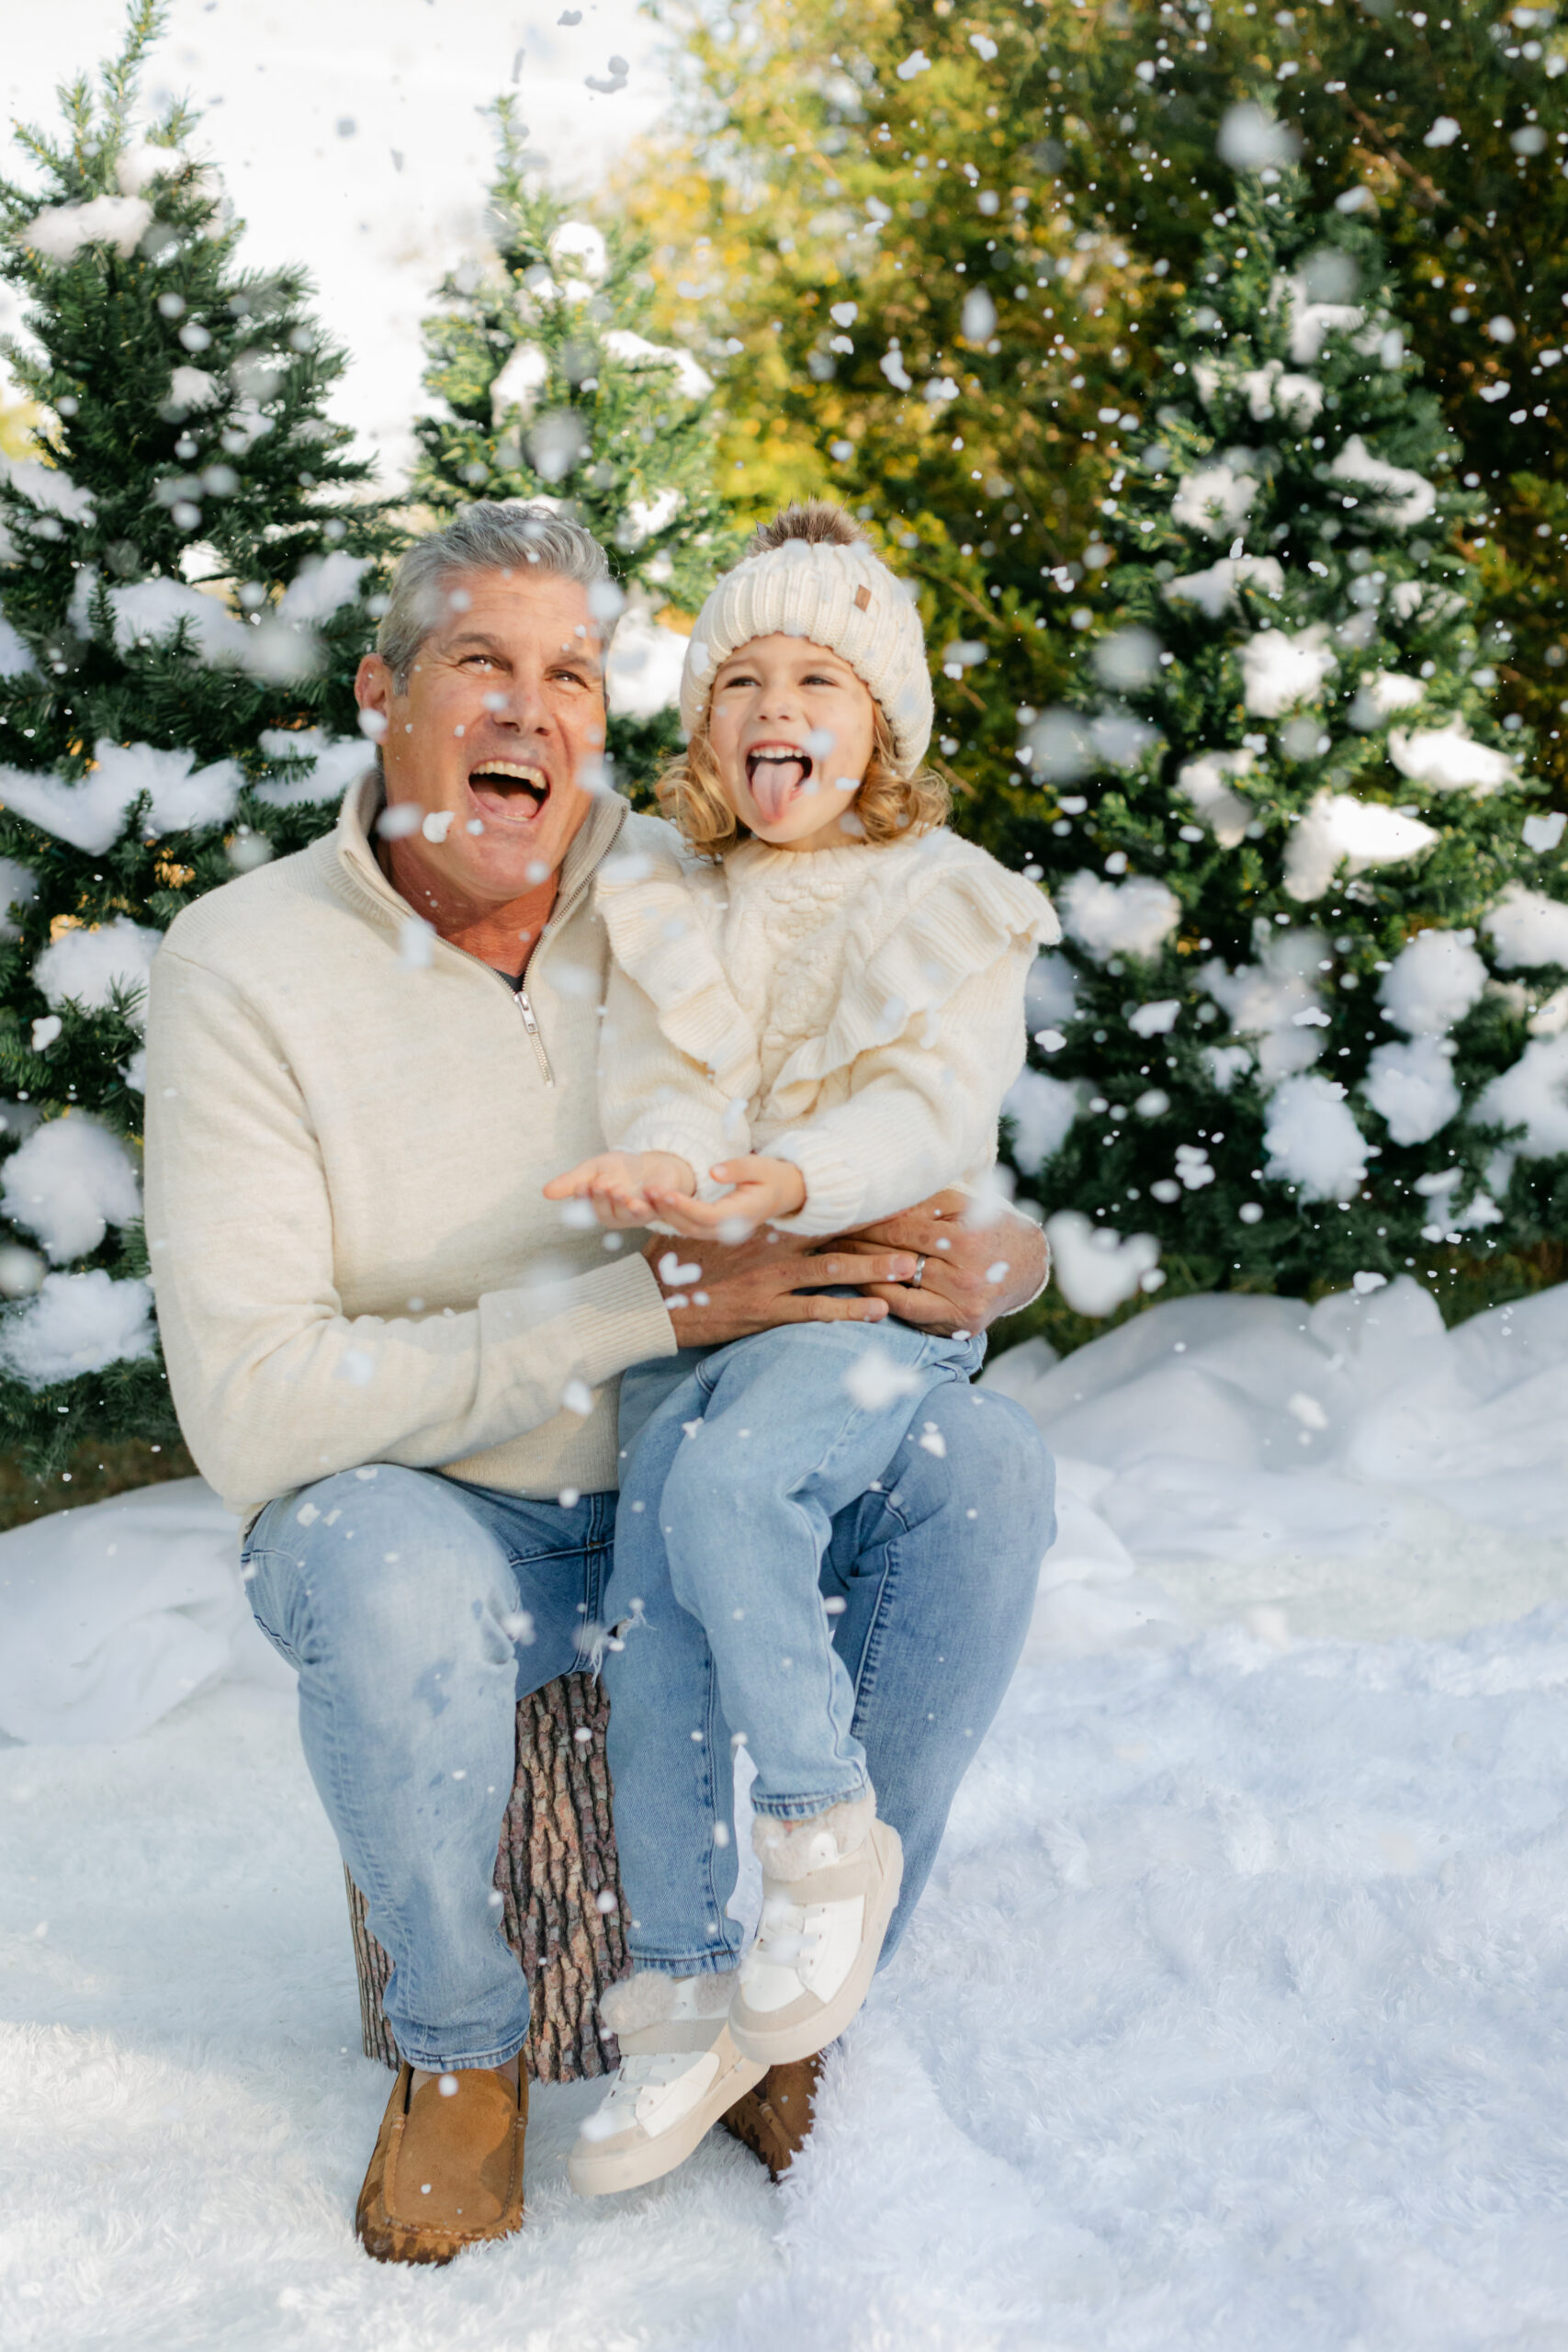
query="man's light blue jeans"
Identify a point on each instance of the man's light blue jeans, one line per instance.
(418, 1609)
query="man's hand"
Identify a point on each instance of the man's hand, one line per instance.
(622, 1186)
(727, 1291)
(761, 1190)
(973, 1275)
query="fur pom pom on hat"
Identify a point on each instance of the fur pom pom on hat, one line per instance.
(814, 575)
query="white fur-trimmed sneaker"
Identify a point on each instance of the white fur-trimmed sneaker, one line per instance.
(679, 2071)
(829, 1888)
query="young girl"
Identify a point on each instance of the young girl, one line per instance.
(813, 1015)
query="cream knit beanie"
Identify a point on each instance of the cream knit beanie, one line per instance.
(844, 598)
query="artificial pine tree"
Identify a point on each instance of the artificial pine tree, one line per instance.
(1315, 940)
(549, 388)
(184, 578)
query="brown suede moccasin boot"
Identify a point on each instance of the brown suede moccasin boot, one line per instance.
(447, 2171)
(775, 2119)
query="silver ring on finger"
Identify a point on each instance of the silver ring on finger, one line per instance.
(918, 1277)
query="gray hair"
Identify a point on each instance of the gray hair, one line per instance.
(490, 535)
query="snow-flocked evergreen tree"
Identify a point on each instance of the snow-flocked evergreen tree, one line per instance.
(1309, 1019)
(549, 387)
(186, 578)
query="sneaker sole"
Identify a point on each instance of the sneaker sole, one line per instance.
(771, 2043)
(605, 2169)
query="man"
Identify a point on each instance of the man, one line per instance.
(398, 1365)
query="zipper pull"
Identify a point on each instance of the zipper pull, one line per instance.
(532, 1026)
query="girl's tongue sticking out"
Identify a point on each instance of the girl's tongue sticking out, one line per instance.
(776, 774)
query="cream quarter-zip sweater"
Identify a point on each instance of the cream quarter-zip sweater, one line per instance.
(348, 1127)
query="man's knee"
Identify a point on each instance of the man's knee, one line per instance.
(380, 1561)
(977, 1458)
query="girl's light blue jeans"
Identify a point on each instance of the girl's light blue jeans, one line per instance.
(737, 1466)
(418, 1609)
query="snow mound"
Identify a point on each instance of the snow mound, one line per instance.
(1408, 498)
(1279, 667)
(1338, 829)
(1214, 590)
(1276, 1000)
(115, 1614)
(77, 1323)
(86, 966)
(90, 813)
(69, 1182)
(1229, 2017)
(1313, 1139)
(61, 231)
(1206, 782)
(1528, 927)
(335, 762)
(634, 350)
(642, 676)
(1433, 982)
(1216, 498)
(1533, 1094)
(47, 487)
(1413, 1087)
(1448, 759)
(322, 586)
(1255, 1437)
(1132, 918)
(1042, 1109)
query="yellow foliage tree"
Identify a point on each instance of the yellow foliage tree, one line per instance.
(871, 238)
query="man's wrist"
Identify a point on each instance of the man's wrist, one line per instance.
(618, 1318)
(1017, 1307)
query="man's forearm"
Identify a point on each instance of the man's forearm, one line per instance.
(1027, 1255)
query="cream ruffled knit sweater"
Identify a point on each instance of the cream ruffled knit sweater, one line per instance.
(858, 1011)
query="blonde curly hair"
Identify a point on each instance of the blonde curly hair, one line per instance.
(690, 791)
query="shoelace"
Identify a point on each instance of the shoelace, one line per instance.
(784, 1935)
(649, 2070)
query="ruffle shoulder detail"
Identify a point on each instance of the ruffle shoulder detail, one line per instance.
(662, 910)
(931, 915)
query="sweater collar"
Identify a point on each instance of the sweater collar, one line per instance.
(353, 861)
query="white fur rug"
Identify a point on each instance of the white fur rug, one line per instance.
(1236, 2016)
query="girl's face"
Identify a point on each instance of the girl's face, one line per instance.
(791, 730)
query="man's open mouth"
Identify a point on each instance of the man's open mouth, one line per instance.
(510, 789)
(775, 775)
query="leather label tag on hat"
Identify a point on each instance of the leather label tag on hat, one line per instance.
(862, 598)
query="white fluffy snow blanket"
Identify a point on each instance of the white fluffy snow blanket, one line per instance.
(1234, 2017)
(1352, 1465)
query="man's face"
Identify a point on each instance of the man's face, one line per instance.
(502, 711)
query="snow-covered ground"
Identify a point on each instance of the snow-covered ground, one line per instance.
(1236, 2014)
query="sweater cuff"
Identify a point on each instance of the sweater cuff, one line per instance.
(619, 1318)
(587, 1329)
(835, 1190)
